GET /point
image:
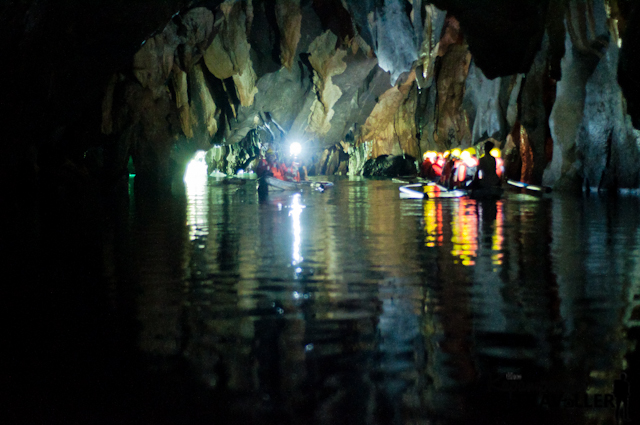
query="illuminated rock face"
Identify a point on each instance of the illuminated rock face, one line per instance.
(393, 76)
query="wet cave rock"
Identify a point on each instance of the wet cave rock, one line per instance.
(390, 166)
(95, 84)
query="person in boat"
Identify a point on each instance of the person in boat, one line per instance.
(439, 159)
(427, 165)
(495, 152)
(486, 177)
(290, 170)
(452, 172)
(269, 167)
(449, 168)
(466, 168)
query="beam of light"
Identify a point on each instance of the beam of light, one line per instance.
(294, 212)
(195, 179)
(295, 148)
(196, 172)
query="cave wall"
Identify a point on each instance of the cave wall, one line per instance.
(547, 81)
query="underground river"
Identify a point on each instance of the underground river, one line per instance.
(216, 305)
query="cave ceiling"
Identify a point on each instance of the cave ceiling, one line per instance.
(160, 79)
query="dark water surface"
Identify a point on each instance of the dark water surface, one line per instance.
(350, 306)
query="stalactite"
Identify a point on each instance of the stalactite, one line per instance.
(289, 21)
(327, 62)
(526, 154)
(579, 19)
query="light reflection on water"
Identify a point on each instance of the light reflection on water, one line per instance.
(355, 306)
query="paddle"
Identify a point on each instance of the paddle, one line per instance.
(543, 189)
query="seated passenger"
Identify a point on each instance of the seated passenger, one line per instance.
(486, 176)
(426, 166)
(449, 169)
(290, 170)
(467, 167)
(438, 164)
(495, 152)
(268, 167)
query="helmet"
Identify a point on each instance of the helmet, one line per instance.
(466, 155)
(425, 155)
(432, 155)
(471, 150)
(456, 153)
(495, 152)
(270, 151)
(446, 154)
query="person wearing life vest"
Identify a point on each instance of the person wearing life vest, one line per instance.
(449, 168)
(456, 157)
(290, 170)
(268, 166)
(426, 168)
(467, 167)
(495, 152)
(438, 165)
(486, 176)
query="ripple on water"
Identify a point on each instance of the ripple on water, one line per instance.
(354, 302)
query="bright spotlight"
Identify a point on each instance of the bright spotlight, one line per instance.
(196, 172)
(295, 148)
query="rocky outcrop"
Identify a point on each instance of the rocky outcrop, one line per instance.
(433, 24)
(394, 38)
(451, 128)
(326, 62)
(577, 66)
(390, 166)
(289, 20)
(607, 143)
(167, 112)
(534, 117)
(228, 56)
(391, 128)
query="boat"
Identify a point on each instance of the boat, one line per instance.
(287, 185)
(417, 191)
(486, 193)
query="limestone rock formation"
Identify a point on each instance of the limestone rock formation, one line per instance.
(434, 22)
(577, 65)
(289, 20)
(482, 101)
(452, 128)
(229, 53)
(534, 117)
(153, 63)
(326, 62)
(395, 39)
(196, 27)
(607, 142)
(389, 166)
(202, 108)
(390, 128)
(347, 78)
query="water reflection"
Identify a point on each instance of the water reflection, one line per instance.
(294, 213)
(354, 306)
(195, 180)
(470, 222)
